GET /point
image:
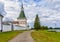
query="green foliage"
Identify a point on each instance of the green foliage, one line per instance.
(37, 23)
(44, 27)
(32, 28)
(50, 28)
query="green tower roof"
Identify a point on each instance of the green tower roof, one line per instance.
(22, 14)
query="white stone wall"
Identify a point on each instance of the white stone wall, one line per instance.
(22, 22)
(8, 28)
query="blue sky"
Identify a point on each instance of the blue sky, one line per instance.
(48, 11)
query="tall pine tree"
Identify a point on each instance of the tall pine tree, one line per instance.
(37, 23)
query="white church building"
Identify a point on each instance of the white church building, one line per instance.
(1, 15)
(19, 24)
(21, 20)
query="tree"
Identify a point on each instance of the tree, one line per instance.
(37, 23)
(44, 27)
(51, 28)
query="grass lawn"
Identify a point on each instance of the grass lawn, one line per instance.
(45, 36)
(5, 36)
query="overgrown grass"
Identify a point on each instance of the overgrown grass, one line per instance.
(5, 36)
(45, 36)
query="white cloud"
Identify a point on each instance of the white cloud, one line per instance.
(48, 10)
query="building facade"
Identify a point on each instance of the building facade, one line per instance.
(1, 15)
(1, 25)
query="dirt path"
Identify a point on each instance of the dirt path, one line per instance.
(24, 37)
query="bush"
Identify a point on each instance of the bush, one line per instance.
(44, 27)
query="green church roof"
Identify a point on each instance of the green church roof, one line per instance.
(22, 14)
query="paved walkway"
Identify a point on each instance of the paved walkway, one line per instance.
(24, 37)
